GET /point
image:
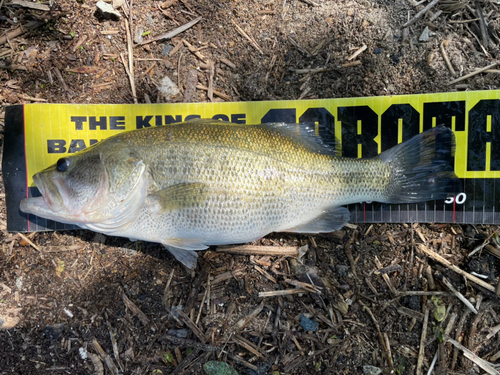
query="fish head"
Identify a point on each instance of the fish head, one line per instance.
(98, 186)
(71, 189)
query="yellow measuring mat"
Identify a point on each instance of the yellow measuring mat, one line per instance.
(37, 135)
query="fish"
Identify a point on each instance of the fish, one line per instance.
(199, 183)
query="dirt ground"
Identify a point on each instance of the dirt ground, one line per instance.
(83, 303)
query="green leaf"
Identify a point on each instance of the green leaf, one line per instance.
(72, 34)
(167, 356)
(146, 33)
(219, 368)
(440, 311)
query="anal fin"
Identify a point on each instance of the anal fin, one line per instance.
(332, 219)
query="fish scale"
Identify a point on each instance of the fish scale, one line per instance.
(201, 183)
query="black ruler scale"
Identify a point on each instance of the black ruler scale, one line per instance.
(356, 131)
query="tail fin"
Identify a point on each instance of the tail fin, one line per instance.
(421, 168)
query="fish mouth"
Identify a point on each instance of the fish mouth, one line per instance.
(53, 204)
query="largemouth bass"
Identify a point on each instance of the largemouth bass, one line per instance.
(199, 183)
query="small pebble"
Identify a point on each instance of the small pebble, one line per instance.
(371, 370)
(166, 49)
(308, 324)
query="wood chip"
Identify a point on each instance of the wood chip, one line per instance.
(242, 323)
(135, 310)
(30, 5)
(247, 345)
(172, 33)
(20, 31)
(105, 357)
(228, 63)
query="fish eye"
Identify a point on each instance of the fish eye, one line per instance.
(62, 164)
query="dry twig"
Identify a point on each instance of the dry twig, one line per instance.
(454, 268)
(421, 351)
(421, 13)
(485, 365)
(481, 70)
(245, 35)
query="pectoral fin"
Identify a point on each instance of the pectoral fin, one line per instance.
(186, 257)
(332, 219)
(177, 196)
(183, 249)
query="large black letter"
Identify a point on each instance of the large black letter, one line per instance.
(478, 135)
(349, 116)
(443, 112)
(117, 123)
(56, 146)
(78, 120)
(143, 122)
(286, 115)
(390, 121)
(93, 123)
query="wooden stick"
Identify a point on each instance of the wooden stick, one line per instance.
(29, 241)
(105, 357)
(379, 334)
(357, 53)
(12, 67)
(348, 252)
(352, 63)
(420, 14)
(245, 35)
(242, 323)
(167, 288)
(316, 70)
(21, 30)
(172, 33)
(131, 62)
(26, 97)
(135, 310)
(465, 21)
(421, 351)
(114, 344)
(458, 295)
(446, 59)
(60, 78)
(454, 268)
(474, 73)
(259, 250)
(485, 365)
(227, 98)
(228, 63)
(386, 278)
(286, 292)
(210, 92)
(27, 4)
(194, 51)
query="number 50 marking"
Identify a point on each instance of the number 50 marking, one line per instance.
(459, 199)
